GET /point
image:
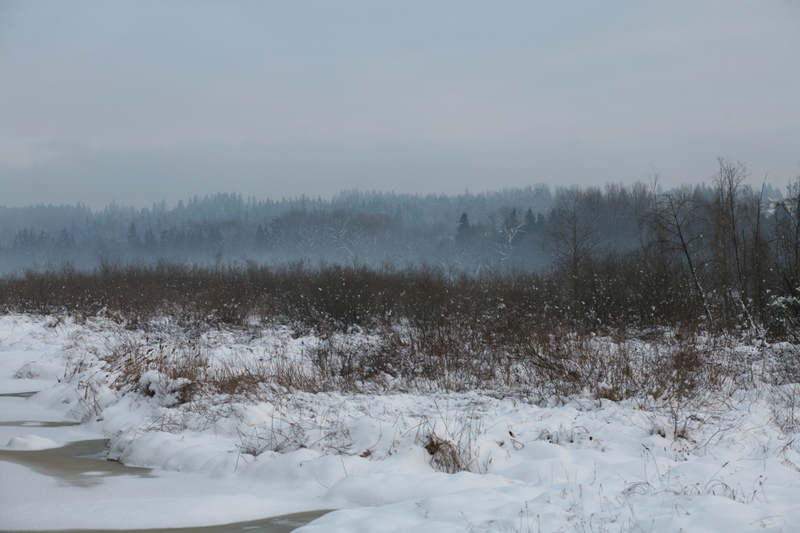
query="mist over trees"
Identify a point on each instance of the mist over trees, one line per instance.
(368, 228)
(726, 253)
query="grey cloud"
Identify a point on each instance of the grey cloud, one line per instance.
(188, 98)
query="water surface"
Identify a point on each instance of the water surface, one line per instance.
(83, 464)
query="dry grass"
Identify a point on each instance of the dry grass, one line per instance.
(417, 330)
(547, 363)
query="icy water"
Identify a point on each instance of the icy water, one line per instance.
(279, 524)
(78, 464)
(17, 394)
(83, 464)
(37, 424)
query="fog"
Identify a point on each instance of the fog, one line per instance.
(141, 102)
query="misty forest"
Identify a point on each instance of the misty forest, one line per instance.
(725, 255)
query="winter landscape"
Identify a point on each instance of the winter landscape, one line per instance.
(614, 392)
(391, 461)
(357, 266)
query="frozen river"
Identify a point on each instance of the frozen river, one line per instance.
(54, 476)
(73, 487)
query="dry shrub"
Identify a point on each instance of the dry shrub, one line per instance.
(451, 439)
(446, 455)
(185, 364)
(240, 380)
(185, 369)
(548, 361)
(785, 406)
(280, 436)
(413, 329)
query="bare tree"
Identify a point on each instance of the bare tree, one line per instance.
(730, 209)
(786, 244)
(675, 220)
(573, 234)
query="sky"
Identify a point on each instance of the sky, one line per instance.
(138, 102)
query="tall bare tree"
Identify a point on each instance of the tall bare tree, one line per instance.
(786, 244)
(573, 235)
(676, 220)
(729, 210)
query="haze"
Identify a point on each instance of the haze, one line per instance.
(136, 102)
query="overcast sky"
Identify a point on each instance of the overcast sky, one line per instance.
(139, 101)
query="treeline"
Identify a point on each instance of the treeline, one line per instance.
(726, 254)
(366, 227)
(511, 230)
(718, 258)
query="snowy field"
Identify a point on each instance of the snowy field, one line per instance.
(391, 460)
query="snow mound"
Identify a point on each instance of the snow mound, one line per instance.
(48, 371)
(30, 443)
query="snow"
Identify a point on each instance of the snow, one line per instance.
(30, 442)
(390, 461)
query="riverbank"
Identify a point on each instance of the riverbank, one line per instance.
(388, 460)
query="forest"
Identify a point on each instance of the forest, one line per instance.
(726, 255)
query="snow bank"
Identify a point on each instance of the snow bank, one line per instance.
(30, 442)
(477, 461)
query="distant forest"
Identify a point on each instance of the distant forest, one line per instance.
(355, 227)
(519, 229)
(725, 252)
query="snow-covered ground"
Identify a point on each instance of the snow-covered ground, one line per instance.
(383, 461)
